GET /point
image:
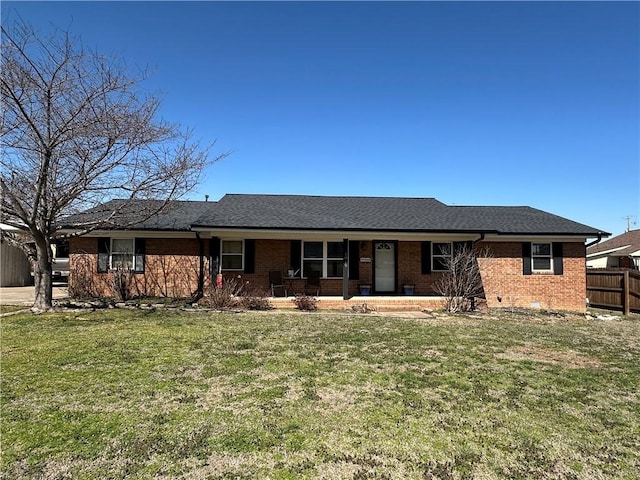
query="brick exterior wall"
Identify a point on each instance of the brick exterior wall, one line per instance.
(502, 277)
(275, 255)
(172, 266)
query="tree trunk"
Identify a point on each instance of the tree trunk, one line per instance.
(42, 273)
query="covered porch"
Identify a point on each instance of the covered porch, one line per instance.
(398, 266)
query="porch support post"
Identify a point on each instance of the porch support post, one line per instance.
(345, 270)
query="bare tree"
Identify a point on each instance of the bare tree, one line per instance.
(461, 283)
(76, 131)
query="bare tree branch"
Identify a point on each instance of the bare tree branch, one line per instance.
(75, 132)
(461, 283)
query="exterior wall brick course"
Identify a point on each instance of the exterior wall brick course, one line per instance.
(172, 267)
(502, 277)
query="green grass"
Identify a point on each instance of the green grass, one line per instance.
(130, 394)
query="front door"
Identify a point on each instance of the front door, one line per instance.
(384, 267)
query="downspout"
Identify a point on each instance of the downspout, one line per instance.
(594, 242)
(200, 289)
(473, 299)
(479, 239)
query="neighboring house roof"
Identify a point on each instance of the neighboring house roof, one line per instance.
(619, 246)
(306, 212)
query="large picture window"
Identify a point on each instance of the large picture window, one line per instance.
(232, 255)
(326, 258)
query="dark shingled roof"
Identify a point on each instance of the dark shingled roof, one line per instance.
(381, 213)
(176, 216)
(306, 212)
(320, 213)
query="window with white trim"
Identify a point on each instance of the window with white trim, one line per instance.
(541, 257)
(326, 258)
(441, 256)
(122, 253)
(232, 254)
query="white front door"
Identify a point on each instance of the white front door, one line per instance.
(385, 266)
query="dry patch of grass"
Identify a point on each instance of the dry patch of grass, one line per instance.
(533, 353)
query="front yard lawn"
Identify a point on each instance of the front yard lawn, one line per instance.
(144, 394)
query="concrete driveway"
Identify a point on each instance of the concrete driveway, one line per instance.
(26, 295)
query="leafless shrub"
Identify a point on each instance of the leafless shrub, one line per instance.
(254, 298)
(364, 308)
(227, 296)
(306, 303)
(121, 283)
(253, 302)
(235, 294)
(462, 282)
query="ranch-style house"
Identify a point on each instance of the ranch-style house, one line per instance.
(339, 246)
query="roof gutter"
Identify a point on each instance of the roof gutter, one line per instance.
(479, 239)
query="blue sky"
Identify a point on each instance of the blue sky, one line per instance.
(473, 103)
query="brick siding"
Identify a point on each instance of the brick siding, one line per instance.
(171, 268)
(172, 265)
(502, 277)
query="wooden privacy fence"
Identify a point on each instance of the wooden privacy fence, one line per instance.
(614, 289)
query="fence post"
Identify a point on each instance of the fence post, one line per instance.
(625, 293)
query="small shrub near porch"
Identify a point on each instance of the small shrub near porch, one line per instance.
(235, 294)
(306, 303)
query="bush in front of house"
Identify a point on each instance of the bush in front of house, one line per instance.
(254, 298)
(256, 302)
(224, 297)
(461, 281)
(235, 294)
(306, 303)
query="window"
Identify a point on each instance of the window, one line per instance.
(312, 258)
(541, 257)
(122, 256)
(121, 253)
(335, 259)
(326, 258)
(60, 250)
(441, 257)
(232, 254)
